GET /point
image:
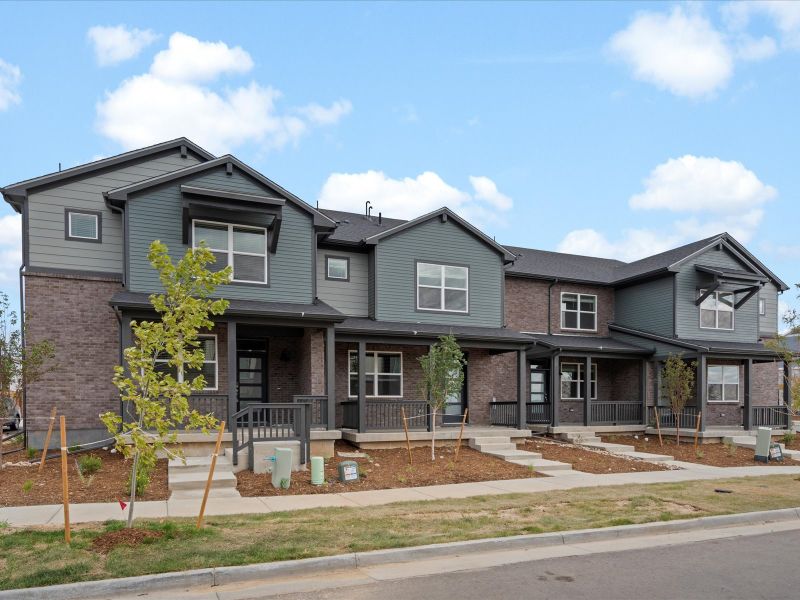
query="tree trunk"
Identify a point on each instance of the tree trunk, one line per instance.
(133, 489)
(433, 434)
(677, 428)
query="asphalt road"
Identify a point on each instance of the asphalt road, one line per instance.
(754, 567)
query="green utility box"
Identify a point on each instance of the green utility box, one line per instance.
(348, 471)
(282, 468)
(317, 470)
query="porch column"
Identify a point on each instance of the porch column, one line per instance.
(330, 375)
(587, 389)
(232, 376)
(748, 392)
(643, 389)
(362, 386)
(702, 392)
(555, 388)
(787, 392)
(522, 384)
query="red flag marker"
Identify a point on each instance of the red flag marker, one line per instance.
(122, 505)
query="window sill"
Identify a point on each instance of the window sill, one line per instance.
(437, 311)
(579, 330)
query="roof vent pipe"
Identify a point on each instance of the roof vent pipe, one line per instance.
(380, 218)
(367, 206)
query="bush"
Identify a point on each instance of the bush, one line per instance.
(90, 464)
(142, 479)
(27, 486)
(31, 452)
(788, 438)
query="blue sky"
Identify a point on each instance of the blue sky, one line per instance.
(608, 129)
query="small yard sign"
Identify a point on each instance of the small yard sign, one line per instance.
(348, 471)
(775, 452)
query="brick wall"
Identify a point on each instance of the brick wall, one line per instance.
(767, 382)
(312, 362)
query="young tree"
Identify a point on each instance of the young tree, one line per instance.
(20, 364)
(677, 381)
(158, 391)
(442, 377)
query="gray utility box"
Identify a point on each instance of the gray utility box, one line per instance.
(282, 466)
(763, 441)
(348, 471)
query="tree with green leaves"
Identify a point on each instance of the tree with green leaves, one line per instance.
(442, 377)
(780, 345)
(20, 363)
(163, 367)
(677, 383)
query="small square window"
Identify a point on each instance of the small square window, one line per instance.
(82, 226)
(337, 267)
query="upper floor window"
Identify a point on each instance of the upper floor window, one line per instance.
(383, 374)
(762, 307)
(82, 226)
(442, 287)
(242, 247)
(579, 311)
(209, 370)
(716, 311)
(337, 268)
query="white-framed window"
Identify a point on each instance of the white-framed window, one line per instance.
(716, 311)
(723, 383)
(83, 226)
(573, 381)
(762, 307)
(209, 370)
(337, 267)
(578, 311)
(384, 374)
(243, 247)
(443, 288)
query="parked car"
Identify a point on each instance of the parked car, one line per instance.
(10, 414)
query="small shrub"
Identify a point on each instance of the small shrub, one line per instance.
(285, 482)
(730, 447)
(73, 449)
(788, 437)
(699, 453)
(4, 525)
(27, 486)
(89, 465)
(142, 480)
(31, 452)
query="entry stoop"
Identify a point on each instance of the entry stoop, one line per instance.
(188, 480)
(503, 447)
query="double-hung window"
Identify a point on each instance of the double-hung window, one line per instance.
(578, 311)
(442, 287)
(716, 311)
(82, 226)
(573, 381)
(209, 370)
(723, 383)
(384, 375)
(242, 247)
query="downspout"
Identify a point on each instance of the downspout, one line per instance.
(22, 340)
(549, 305)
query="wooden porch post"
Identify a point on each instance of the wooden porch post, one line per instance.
(643, 389)
(748, 393)
(362, 386)
(233, 388)
(330, 375)
(555, 389)
(587, 389)
(702, 392)
(522, 363)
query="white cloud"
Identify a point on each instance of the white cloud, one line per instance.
(753, 49)
(632, 245)
(10, 251)
(113, 45)
(409, 197)
(784, 15)
(171, 100)
(680, 52)
(10, 77)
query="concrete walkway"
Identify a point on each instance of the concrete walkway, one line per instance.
(51, 514)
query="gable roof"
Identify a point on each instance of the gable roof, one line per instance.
(121, 195)
(17, 192)
(353, 228)
(550, 265)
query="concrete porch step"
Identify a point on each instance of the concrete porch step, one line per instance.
(511, 454)
(197, 481)
(496, 439)
(499, 447)
(647, 456)
(198, 464)
(542, 465)
(198, 494)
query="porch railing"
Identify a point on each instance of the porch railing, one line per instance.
(275, 421)
(776, 417)
(214, 404)
(503, 414)
(319, 409)
(385, 415)
(615, 413)
(687, 419)
(538, 413)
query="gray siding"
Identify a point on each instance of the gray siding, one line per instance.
(371, 282)
(688, 281)
(48, 248)
(349, 297)
(438, 242)
(768, 323)
(157, 215)
(647, 306)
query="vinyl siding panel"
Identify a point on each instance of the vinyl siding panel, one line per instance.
(647, 306)
(688, 281)
(371, 283)
(47, 246)
(768, 323)
(157, 215)
(349, 297)
(438, 242)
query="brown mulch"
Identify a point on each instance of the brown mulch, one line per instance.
(106, 542)
(588, 461)
(712, 454)
(107, 485)
(384, 469)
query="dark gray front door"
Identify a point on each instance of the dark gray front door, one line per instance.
(456, 404)
(251, 376)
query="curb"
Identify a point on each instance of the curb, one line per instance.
(224, 575)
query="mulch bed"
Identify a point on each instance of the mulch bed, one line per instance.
(107, 485)
(588, 461)
(106, 542)
(713, 454)
(384, 469)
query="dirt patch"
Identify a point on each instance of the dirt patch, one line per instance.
(384, 469)
(715, 455)
(586, 460)
(23, 486)
(106, 542)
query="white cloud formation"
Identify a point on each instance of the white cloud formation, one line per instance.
(784, 15)
(10, 77)
(113, 45)
(753, 49)
(680, 52)
(409, 197)
(174, 99)
(10, 251)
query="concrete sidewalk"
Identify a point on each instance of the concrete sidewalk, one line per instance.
(51, 514)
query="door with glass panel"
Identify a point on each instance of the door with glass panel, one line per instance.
(456, 404)
(251, 377)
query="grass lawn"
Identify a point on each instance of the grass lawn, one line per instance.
(35, 557)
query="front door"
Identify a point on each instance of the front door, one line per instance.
(251, 376)
(538, 387)
(456, 404)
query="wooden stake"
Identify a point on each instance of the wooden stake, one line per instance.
(210, 474)
(47, 438)
(461, 433)
(658, 427)
(65, 479)
(408, 441)
(697, 430)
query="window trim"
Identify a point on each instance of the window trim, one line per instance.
(215, 361)
(562, 311)
(375, 353)
(715, 295)
(580, 379)
(77, 238)
(231, 252)
(762, 307)
(738, 385)
(442, 288)
(328, 276)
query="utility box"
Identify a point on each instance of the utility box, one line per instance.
(348, 471)
(317, 470)
(282, 467)
(763, 441)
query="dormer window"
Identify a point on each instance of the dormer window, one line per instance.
(578, 311)
(716, 311)
(242, 247)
